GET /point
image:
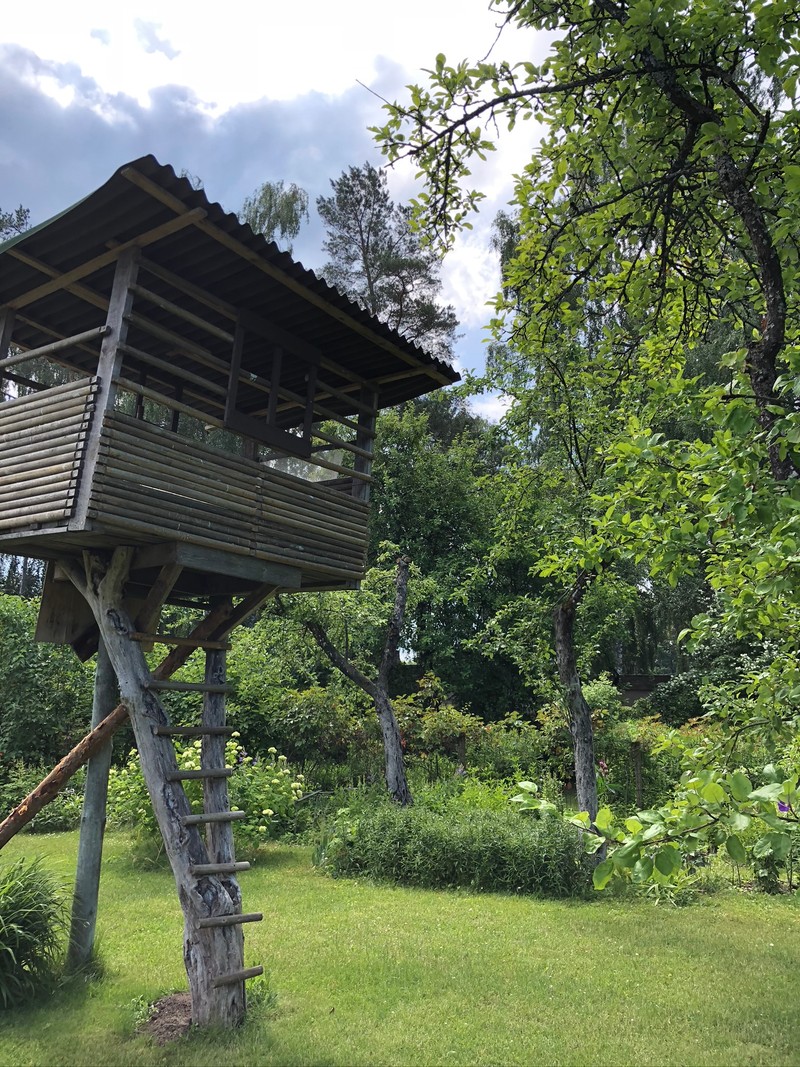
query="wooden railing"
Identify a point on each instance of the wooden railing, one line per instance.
(41, 439)
(158, 485)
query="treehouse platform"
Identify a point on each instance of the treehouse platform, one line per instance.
(172, 381)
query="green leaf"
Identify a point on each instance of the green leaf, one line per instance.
(604, 819)
(741, 786)
(713, 793)
(626, 856)
(767, 792)
(642, 869)
(668, 860)
(736, 849)
(603, 873)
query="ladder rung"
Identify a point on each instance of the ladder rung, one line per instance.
(218, 868)
(213, 816)
(192, 731)
(188, 687)
(231, 920)
(171, 639)
(206, 772)
(238, 976)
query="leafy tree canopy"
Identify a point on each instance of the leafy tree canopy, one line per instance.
(277, 211)
(379, 260)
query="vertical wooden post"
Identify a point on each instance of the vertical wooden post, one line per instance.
(93, 823)
(219, 835)
(211, 953)
(108, 368)
(7, 317)
(365, 438)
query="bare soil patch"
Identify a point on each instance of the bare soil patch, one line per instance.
(170, 1019)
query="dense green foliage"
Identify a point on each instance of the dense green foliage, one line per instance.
(47, 693)
(32, 925)
(377, 259)
(480, 850)
(265, 788)
(276, 211)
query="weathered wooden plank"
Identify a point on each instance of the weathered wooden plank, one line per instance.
(54, 346)
(201, 869)
(170, 402)
(214, 816)
(103, 260)
(193, 557)
(308, 563)
(206, 772)
(238, 976)
(53, 391)
(110, 360)
(232, 920)
(174, 370)
(182, 313)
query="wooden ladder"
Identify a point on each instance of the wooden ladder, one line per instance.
(216, 816)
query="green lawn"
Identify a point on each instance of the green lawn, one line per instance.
(368, 975)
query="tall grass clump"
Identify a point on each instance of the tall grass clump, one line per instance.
(483, 850)
(32, 925)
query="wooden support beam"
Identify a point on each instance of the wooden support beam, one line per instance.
(93, 824)
(189, 687)
(214, 816)
(205, 772)
(232, 920)
(55, 346)
(202, 869)
(62, 281)
(172, 639)
(192, 731)
(108, 368)
(238, 976)
(149, 612)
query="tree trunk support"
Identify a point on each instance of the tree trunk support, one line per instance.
(93, 824)
(210, 632)
(212, 954)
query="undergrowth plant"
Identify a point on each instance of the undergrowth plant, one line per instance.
(265, 789)
(478, 849)
(32, 925)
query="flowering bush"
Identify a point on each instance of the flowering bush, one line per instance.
(266, 789)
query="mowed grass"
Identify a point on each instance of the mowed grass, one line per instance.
(377, 975)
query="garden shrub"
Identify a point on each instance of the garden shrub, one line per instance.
(17, 779)
(480, 850)
(32, 924)
(266, 789)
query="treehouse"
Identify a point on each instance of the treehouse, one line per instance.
(187, 417)
(215, 402)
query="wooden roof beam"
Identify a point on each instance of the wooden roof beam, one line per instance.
(177, 205)
(62, 281)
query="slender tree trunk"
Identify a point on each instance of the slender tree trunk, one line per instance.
(394, 760)
(580, 717)
(93, 823)
(378, 689)
(211, 953)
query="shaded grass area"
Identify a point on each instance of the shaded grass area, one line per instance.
(381, 975)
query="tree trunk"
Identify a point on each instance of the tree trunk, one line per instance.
(378, 690)
(210, 953)
(394, 761)
(93, 824)
(580, 718)
(216, 625)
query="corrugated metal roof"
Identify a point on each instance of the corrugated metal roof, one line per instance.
(219, 255)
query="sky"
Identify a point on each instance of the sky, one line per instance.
(260, 91)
